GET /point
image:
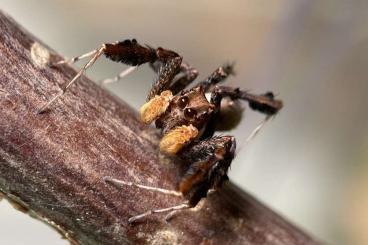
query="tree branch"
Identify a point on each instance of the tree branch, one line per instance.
(52, 164)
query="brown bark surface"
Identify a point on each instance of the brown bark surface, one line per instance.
(52, 164)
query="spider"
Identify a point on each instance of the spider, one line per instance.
(187, 117)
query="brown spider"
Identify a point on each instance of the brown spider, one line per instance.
(187, 118)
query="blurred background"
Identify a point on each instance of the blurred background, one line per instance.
(309, 164)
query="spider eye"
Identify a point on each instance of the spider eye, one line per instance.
(183, 101)
(190, 113)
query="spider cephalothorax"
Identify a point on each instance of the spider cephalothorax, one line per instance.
(182, 117)
(187, 117)
(188, 107)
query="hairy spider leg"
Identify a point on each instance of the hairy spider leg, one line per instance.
(258, 128)
(130, 53)
(210, 160)
(96, 55)
(75, 59)
(169, 69)
(172, 210)
(254, 132)
(217, 76)
(122, 74)
(170, 215)
(180, 83)
(264, 103)
(120, 183)
(189, 75)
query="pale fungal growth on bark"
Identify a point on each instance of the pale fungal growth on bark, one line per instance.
(40, 54)
(164, 237)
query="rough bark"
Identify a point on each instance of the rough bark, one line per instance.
(52, 164)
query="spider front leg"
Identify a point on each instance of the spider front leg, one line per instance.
(189, 75)
(75, 59)
(264, 103)
(166, 73)
(217, 76)
(130, 53)
(96, 54)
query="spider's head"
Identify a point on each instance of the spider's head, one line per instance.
(182, 117)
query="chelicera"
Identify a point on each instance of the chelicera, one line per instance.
(186, 117)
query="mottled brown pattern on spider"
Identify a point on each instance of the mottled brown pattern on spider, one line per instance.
(186, 117)
(187, 108)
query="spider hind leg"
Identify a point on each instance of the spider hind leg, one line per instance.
(172, 210)
(210, 160)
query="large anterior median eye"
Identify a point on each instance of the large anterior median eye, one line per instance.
(183, 102)
(190, 113)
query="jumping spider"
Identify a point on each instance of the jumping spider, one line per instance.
(186, 117)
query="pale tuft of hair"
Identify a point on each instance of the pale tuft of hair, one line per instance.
(155, 107)
(176, 139)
